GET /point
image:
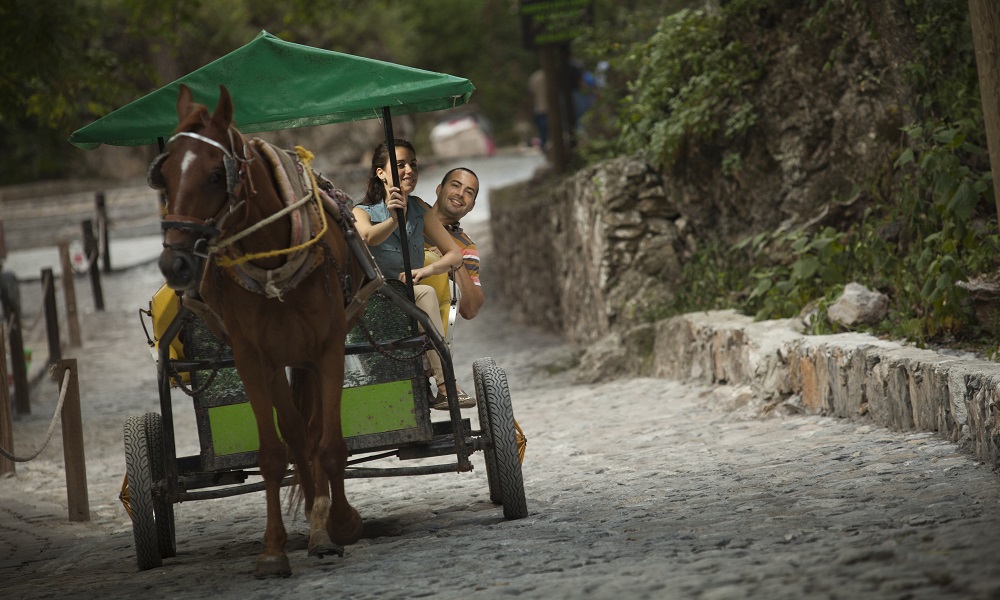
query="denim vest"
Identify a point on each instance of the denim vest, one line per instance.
(388, 255)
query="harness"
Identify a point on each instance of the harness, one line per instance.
(309, 201)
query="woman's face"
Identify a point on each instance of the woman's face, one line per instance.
(406, 163)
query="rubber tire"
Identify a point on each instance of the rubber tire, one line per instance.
(140, 484)
(478, 367)
(504, 435)
(163, 508)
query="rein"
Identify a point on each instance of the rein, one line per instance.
(224, 261)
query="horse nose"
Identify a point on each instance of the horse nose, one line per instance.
(177, 268)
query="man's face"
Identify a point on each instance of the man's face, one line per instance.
(456, 197)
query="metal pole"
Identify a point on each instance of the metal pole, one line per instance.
(69, 293)
(390, 141)
(51, 318)
(102, 231)
(72, 428)
(6, 428)
(89, 249)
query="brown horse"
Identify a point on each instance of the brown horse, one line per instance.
(281, 304)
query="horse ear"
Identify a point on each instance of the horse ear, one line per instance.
(184, 105)
(223, 115)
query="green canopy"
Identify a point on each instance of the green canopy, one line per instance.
(280, 85)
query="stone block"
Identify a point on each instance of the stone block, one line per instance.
(889, 403)
(846, 365)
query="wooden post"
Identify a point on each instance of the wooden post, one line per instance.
(51, 317)
(985, 19)
(6, 428)
(72, 428)
(102, 232)
(69, 292)
(89, 248)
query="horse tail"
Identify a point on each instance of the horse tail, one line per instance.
(302, 385)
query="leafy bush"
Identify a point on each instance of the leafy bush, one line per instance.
(690, 87)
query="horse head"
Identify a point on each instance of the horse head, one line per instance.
(199, 173)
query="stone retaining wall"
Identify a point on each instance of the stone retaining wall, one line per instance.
(853, 376)
(588, 255)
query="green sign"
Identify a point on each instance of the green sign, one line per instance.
(554, 21)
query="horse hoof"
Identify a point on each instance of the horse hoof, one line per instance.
(350, 530)
(320, 545)
(272, 565)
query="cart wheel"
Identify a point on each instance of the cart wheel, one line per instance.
(503, 433)
(478, 368)
(163, 508)
(140, 494)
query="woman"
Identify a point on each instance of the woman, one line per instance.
(377, 222)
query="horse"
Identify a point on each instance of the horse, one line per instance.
(226, 248)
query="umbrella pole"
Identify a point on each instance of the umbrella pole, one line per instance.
(390, 141)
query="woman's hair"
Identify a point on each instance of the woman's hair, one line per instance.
(375, 191)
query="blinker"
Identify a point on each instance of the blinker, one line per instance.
(154, 175)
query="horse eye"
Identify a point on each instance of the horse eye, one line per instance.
(217, 176)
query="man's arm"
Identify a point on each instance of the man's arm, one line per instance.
(472, 295)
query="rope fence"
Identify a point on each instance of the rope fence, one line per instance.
(9, 455)
(46, 286)
(68, 410)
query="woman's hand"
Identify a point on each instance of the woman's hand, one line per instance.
(418, 274)
(395, 201)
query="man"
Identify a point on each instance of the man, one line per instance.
(456, 197)
(539, 106)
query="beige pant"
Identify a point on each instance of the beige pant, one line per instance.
(426, 299)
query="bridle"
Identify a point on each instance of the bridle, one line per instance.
(204, 230)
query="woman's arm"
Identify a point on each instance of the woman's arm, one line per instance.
(373, 235)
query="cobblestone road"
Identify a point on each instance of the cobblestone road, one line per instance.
(637, 488)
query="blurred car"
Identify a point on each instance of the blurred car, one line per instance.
(467, 134)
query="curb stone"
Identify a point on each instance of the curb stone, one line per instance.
(851, 375)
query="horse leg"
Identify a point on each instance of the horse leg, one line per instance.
(344, 525)
(306, 394)
(264, 390)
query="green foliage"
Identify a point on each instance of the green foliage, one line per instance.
(809, 265)
(710, 279)
(687, 84)
(943, 68)
(934, 227)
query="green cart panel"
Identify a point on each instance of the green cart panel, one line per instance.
(385, 400)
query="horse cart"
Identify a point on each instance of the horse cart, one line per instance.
(385, 413)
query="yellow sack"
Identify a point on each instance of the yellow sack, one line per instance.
(441, 285)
